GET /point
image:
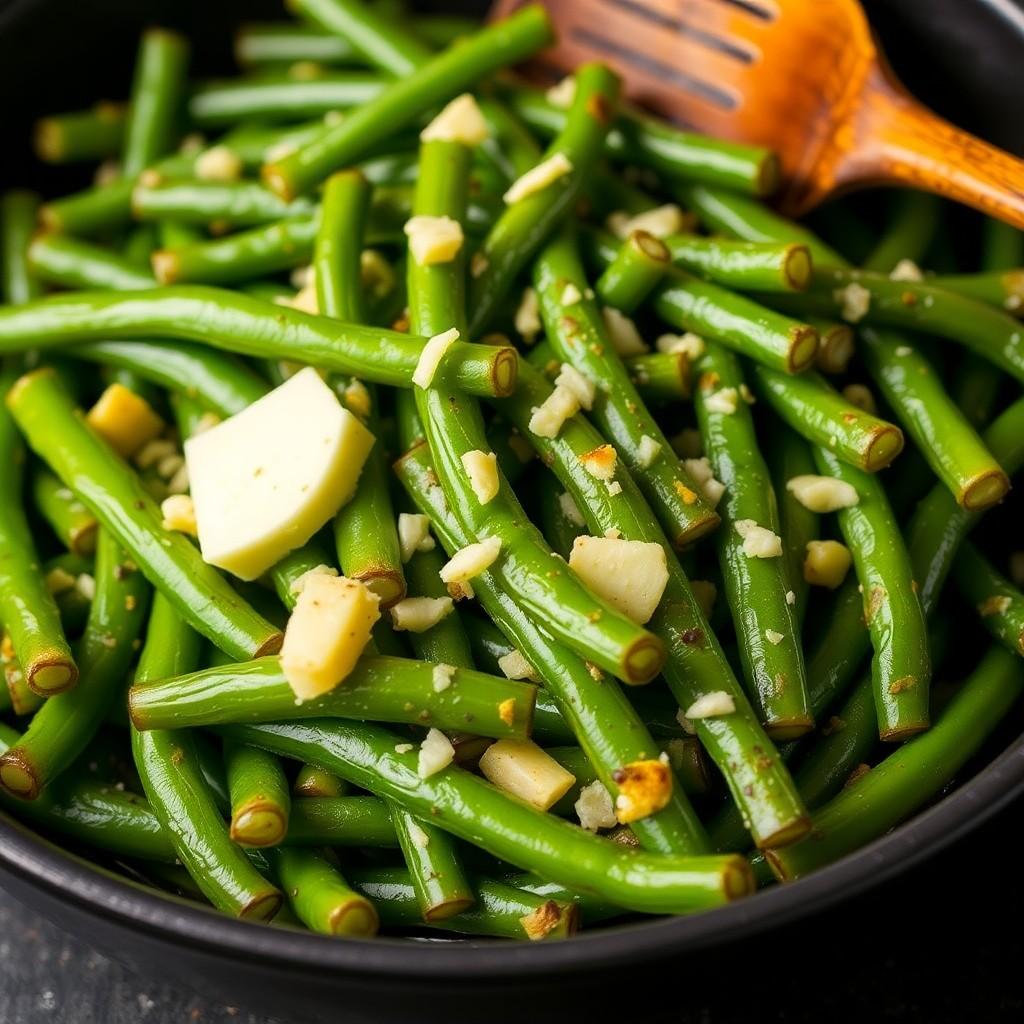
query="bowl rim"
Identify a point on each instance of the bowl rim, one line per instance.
(42, 864)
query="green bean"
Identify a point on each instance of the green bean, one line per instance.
(319, 895)
(70, 263)
(23, 701)
(403, 100)
(912, 774)
(559, 530)
(157, 92)
(816, 411)
(18, 210)
(690, 304)
(999, 603)
(454, 427)
(378, 689)
(742, 217)
(314, 783)
(169, 766)
(525, 225)
(942, 433)
(27, 607)
(501, 912)
(67, 722)
(639, 265)
(274, 43)
(113, 493)
(639, 139)
(575, 332)
(745, 266)
(281, 96)
(72, 522)
(341, 821)
(247, 326)
(236, 204)
(790, 456)
(661, 377)
(90, 211)
(756, 587)
(837, 344)
(892, 609)
(908, 233)
(260, 801)
(470, 808)
(1002, 288)
(81, 135)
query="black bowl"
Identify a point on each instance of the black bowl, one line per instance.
(961, 55)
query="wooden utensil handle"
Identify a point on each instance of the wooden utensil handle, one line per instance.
(900, 141)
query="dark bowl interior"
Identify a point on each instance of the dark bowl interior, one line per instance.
(964, 57)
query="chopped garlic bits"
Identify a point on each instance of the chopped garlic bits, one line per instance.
(124, 420)
(822, 493)
(661, 221)
(460, 121)
(906, 270)
(551, 414)
(441, 677)
(413, 534)
(689, 344)
(570, 509)
(471, 560)
(647, 451)
(826, 563)
(218, 163)
(326, 633)
(520, 767)
(266, 479)
(600, 462)
(703, 476)
(629, 574)
(711, 705)
(645, 787)
(854, 301)
(433, 239)
(571, 295)
(527, 318)
(179, 514)
(431, 356)
(723, 401)
(418, 614)
(482, 470)
(758, 542)
(594, 807)
(515, 666)
(540, 177)
(582, 387)
(562, 93)
(436, 753)
(622, 333)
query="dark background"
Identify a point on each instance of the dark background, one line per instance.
(942, 943)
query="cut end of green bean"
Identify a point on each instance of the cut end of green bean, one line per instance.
(258, 824)
(836, 348)
(387, 584)
(984, 491)
(50, 676)
(784, 730)
(769, 175)
(551, 920)
(262, 908)
(796, 267)
(357, 917)
(885, 444)
(643, 660)
(793, 831)
(442, 911)
(18, 777)
(505, 372)
(803, 348)
(272, 645)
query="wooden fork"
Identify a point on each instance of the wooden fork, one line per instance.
(804, 77)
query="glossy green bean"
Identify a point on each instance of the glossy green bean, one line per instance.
(661, 377)
(113, 493)
(1001, 288)
(236, 204)
(72, 522)
(67, 722)
(909, 230)
(403, 100)
(639, 265)
(71, 263)
(999, 603)
(341, 821)
(237, 323)
(315, 783)
(80, 135)
(18, 211)
(260, 800)
(745, 266)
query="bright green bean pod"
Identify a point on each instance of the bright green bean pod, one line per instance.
(838, 344)
(470, 808)
(113, 493)
(442, 889)
(319, 895)
(819, 413)
(942, 433)
(661, 377)
(650, 142)
(526, 223)
(275, 44)
(247, 326)
(157, 92)
(341, 821)
(501, 911)
(892, 609)
(67, 722)
(260, 801)
(403, 100)
(315, 783)
(912, 774)
(756, 587)
(91, 211)
(169, 766)
(908, 232)
(236, 204)
(639, 265)
(70, 263)
(18, 211)
(81, 135)
(999, 603)
(378, 689)
(1001, 288)
(74, 525)
(745, 266)
(454, 427)
(275, 96)
(27, 608)
(577, 335)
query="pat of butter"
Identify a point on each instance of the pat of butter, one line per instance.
(266, 479)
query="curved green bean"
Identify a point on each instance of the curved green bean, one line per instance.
(260, 801)
(999, 603)
(71, 263)
(74, 525)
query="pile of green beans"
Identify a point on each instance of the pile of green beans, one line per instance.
(786, 440)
